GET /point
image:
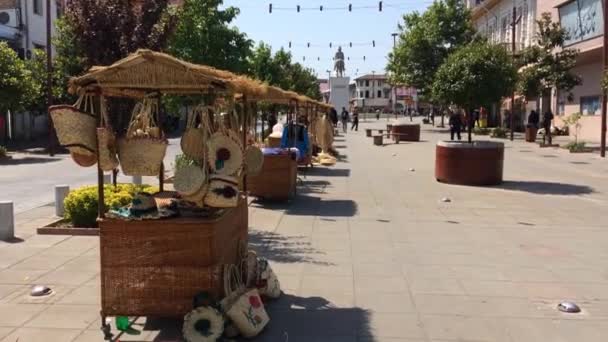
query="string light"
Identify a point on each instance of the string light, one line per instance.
(381, 5)
(332, 44)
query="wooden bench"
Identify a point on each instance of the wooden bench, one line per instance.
(397, 137)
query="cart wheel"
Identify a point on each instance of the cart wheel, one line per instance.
(106, 329)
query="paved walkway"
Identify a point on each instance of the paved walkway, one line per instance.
(368, 252)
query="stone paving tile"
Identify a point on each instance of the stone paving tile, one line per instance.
(465, 328)
(41, 334)
(65, 317)
(399, 325)
(14, 315)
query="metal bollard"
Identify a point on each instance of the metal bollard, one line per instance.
(7, 221)
(61, 192)
(137, 180)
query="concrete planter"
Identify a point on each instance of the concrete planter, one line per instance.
(64, 227)
(477, 163)
(406, 132)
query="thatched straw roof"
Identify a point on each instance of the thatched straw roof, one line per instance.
(146, 71)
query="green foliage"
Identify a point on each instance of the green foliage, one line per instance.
(475, 75)
(575, 146)
(481, 131)
(574, 120)
(203, 36)
(182, 160)
(81, 204)
(280, 71)
(3, 152)
(426, 40)
(544, 67)
(17, 85)
(499, 132)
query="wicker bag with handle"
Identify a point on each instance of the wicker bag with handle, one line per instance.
(75, 125)
(106, 140)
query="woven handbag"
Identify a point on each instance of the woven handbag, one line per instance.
(189, 179)
(142, 151)
(254, 160)
(243, 306)
(75, 127)
(223, 192)
(193, 140)
(84, 160)
(106, 140)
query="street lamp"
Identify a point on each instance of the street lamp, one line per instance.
(394, 39)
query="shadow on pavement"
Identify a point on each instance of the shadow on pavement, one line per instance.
(28, 160)
(313, 186)
(292, 319)
(546, 188)
(284, 249)
(304, 205)
(328, 172)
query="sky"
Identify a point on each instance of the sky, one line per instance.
(362, 26)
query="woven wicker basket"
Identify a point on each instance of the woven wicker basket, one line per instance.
(84, 160)
(106, 141)
(189, 180)
(193, 139)
(75, 129)
(141, 156)
(157, 267)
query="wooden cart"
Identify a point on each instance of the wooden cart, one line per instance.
(277, 180)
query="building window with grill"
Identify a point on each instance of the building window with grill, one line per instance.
(361, 94)
(591, 105)
(38, 7)
(582, 19)
(367, 94)
(367, 83)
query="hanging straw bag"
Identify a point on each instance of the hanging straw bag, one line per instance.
(189, 180)
(106, 140)
(243, 306)
(193, 140)
(75, 127)
(223, 192)
(142, 151)
(84, 160)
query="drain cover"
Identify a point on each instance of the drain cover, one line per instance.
(40, 290)
(568, 307)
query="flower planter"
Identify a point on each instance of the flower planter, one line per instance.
(407, 132)
(477, 163)
(64, 227)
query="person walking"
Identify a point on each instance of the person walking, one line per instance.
(547, 119)
(377, 114)
(455, 125)
(533, 119)
(344, 118)
(333, 116)
(355, 125)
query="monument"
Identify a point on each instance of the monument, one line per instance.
(339, 95)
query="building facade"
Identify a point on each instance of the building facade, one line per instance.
(583, 19)
(23, 24)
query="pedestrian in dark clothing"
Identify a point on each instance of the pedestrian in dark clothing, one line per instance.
(455, 125)
(333, 115)
(533, 119)
(547, 118)
(355, 122)
(344, 119)
(272, 120)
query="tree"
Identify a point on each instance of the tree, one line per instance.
(547, 64)
(426, 40)
(203, 36)
(108, 30)
(280, 71)
(475, 75)
(17, 86)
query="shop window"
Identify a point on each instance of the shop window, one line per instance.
(591, 105)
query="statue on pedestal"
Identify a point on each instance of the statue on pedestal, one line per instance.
(339, 63)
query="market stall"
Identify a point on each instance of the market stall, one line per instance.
(181, 252)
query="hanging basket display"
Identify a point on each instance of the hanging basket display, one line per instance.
(106, 141)
(223, 192)
(75, 127)
(225, 154)
(194, 137)
(189, 180)
(254, 160)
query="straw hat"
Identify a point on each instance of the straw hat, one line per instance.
(225, 154)
(223, 192)
(142, 207)
(254, 160)
(203, 324)
(189, 179)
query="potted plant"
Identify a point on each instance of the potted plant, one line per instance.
(475, 75)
